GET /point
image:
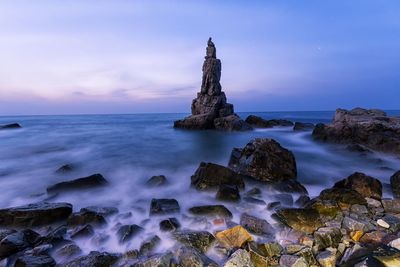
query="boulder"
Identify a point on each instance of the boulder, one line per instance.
(234, 237)
(365, 185)
(190, 257)
(86, 217)
(259, 122)
(342, 196)
(10, 126)
(159, 260)
(68, 251)
(327, 237)
(211, 176)
(305, 220)
(149, 245)
(83, 232)
(13, 243)
(239, 258)
(265, 160)
(228, 193)
(211, 211)
(210, 109)
(156, 181)
(303, 126)
(200, 240)
(92, 181)
(256, 225)
(94, 258)
(395, 184)
(37, 214)
(369, 127)
(169, 225)
(41, 260)
(164, 206)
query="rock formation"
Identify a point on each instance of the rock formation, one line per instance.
(210, 109)
(372, 128)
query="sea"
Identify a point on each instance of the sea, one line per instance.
(129, 149)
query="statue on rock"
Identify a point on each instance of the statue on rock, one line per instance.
(210, 109)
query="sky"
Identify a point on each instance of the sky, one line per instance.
(120, 56)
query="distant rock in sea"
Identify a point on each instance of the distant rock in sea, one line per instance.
(210, 109)
(10, 126)
(372, 128)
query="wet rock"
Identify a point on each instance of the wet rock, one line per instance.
(159, 260)
(156, 181)
(13, 243)
(6, 232)
(344, 197)
(327, 258)
(271, 249)
(307, 254)
(210, 175)
(254, 192)
(287, 186)
(373, 238)
(352, 224)
(353, 255)
(211, 211)
(254, 201)
(358, 148)
(359, 209)
(126, 232)
(234, 237)
(302, 200)
(189, 257)
(55, 236)
(169, 225)
(284, 199)
(303, 126)
(228, 193)
(274, 205)
(327, 237)
(148, 246)
(35, 214)
(305, 220)
(372, 128)
(327, 209)
(92, 181)
(68, 251)
(239, 258)
(365, 185)
(65, 169)
(231, 123)
(41, 260)
(259, 122)
(94, 258)
(256, 255)
(387, 256)
(391, 205)
(83, 232)
(255, 225)
(265, 160)
(85, 217)
(10, 126)
(164, 206)
(103, 211)
(390, 222)
(395, 184)
(210, 109)
(292, 261)
(201, 240)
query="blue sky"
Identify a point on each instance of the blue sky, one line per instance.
(68, 57)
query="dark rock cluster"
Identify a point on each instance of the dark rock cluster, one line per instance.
(370, 127)
(210, 109)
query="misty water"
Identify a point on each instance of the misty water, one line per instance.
(128, 149)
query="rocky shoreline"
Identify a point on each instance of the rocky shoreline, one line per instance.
(349, 224)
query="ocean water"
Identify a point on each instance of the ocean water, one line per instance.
(129, 149)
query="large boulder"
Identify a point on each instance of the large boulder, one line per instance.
(395, 184)
(211, 176)
(370, 127)
(92, 181)
(264, 159)
(37, 214)
(210, 109)
(365, 185)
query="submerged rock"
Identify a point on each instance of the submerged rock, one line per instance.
(35, 214)
(365, 185)
(259, 122)
(211, 176)
(86, 217)
(158, 180)
(164, 206)
(210, 109)
(65, 168)
(201, 240)
(265, 160)
(92, 181)
(395, 184)
(169, 225)
(10, 126)
(228, 193)
(303, 126)
(211, 211)
(372, 128)
(101, 210)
